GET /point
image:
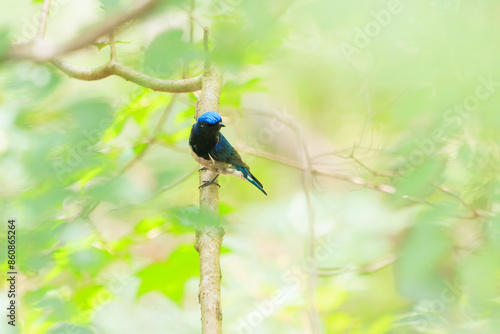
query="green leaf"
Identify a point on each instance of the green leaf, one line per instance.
(92, 118)
(422, 257)
(66, 328)
(89, 261)
(169, 277)
(32, 298)
(58, 306)
(233, 91)
(123, 114)
(480, 276)
(139, 148)
(148, 224)
(165, 55)
(191, 216)
(419, 183)
(120, 190)
(40, 239)
(225, 208)
(85, 297)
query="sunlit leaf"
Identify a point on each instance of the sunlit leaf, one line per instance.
(169, 277)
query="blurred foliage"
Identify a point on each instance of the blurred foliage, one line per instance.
(399, 98)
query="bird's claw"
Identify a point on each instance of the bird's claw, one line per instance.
(202, 169)
(207, 183)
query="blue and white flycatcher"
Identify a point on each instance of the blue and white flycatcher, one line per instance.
(212, 150)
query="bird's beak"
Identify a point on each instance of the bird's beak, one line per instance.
(221, 125)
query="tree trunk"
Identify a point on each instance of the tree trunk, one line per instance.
(209, 236)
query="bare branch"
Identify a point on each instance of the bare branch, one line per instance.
(38, 51)
(384, 188)
(354, 180)
(44, 15)
(144, 80)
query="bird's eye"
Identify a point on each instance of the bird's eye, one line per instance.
(202, 125)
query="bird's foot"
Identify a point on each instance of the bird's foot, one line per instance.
(207, 183)
(202, 169)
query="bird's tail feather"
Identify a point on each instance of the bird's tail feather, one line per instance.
(252, 179)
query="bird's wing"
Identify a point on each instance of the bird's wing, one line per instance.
(224, 152)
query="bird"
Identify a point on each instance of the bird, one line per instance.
(212, 150)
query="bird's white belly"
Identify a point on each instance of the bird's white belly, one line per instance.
(218, 167)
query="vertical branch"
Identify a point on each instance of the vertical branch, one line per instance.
(43, 20)
(209, 236)
(112, 47)
(206, 49)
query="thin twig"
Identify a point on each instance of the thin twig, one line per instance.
(191, 21)
(112, 67)
(162, 190)
(179, 181)
(270, 156)
(44, 52)
(375, 173)
(44, 14)
(364, 270)
(112, 47)
(384, 188)
(388, 189)
(475, 211)
(205, 48)
(312, 274)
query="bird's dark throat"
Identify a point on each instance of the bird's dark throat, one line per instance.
(203, 140)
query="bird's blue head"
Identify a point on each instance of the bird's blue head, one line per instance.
(210, 117)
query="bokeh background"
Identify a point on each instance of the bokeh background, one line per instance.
(373, 126)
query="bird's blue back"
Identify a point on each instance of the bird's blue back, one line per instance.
(225, 152)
